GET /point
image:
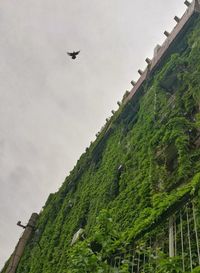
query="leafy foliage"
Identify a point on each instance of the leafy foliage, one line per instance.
(156, 142)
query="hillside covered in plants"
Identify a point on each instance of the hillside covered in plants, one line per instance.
(142, 170)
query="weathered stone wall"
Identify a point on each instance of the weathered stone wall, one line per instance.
(161, 51)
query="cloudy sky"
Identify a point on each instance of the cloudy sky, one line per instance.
(51, 106)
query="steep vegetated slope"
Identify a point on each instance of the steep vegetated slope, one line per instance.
(143, 167)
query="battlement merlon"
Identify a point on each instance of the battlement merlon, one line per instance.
(161, 51)
(197, 5)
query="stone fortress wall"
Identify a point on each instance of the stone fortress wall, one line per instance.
(160, 52)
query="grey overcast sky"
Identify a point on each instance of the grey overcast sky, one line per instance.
(51, 106)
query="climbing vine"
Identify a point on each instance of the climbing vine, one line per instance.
(145, 159)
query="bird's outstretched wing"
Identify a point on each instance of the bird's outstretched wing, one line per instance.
(70, 54)
(76, 52)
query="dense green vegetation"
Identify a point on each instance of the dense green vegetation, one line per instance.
(144, 163)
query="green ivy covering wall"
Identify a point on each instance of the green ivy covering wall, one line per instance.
(144, 162)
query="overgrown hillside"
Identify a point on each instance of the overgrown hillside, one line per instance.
(143, 168)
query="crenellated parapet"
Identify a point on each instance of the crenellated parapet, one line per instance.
(161, 51)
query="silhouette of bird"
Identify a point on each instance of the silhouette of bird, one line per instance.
(73, 54)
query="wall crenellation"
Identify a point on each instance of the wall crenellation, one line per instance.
(161, 51)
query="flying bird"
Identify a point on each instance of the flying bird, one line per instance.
(73, 54)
